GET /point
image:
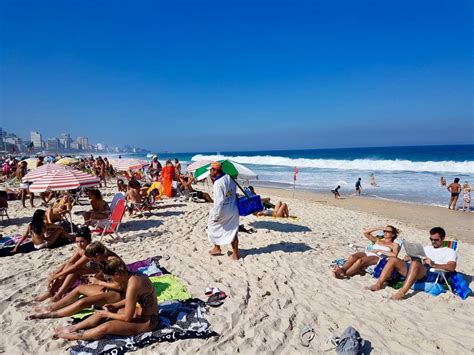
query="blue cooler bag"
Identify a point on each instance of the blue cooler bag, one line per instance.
(250, 204)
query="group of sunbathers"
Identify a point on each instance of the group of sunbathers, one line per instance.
(125, 303)
(409, 270)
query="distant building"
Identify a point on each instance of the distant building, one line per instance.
(36, 139)
(65, 140)
(2, 144)
(83, 141)
(52, 144)
(75, 145)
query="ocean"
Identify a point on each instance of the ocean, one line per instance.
(410, 174)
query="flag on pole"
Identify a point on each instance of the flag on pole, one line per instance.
(295, 173)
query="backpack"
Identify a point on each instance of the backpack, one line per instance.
(350, 342)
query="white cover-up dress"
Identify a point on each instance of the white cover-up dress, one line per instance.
(223, 221)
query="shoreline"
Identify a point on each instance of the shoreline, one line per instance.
(458, 224)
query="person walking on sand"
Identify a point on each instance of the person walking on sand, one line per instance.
(358, 186)
(455, 189)
(223, 221)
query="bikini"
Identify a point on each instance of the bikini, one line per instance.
(368, 251)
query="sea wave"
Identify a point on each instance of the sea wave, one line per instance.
(466, 167)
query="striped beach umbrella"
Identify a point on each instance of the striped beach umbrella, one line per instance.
(64, 179)
(40, 172)
(128, 164)
(196, 165)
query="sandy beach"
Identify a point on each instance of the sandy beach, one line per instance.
(281, 283)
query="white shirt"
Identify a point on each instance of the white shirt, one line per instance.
(441, 255)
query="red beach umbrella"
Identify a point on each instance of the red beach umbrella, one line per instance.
(64, 179)
(42, 171)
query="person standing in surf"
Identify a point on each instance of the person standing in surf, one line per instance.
(358, 186)
(223, 221)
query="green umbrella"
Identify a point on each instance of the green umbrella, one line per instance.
(228, 167)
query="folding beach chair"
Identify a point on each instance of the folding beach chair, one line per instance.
(117, 196)
(4, 213)
(453, 244)
(111, 225)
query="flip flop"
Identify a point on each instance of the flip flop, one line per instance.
(221, 294)
(214, 301)
(208, 291)
(306, 335)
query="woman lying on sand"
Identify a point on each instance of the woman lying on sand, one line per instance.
(358, 262)
(98, 292)
(100, 208)
(43, 234)
(280, 210)
(77, 266)
(62, 206)
(135, 314)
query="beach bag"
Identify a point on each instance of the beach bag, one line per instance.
(248, 204)
(350, 342)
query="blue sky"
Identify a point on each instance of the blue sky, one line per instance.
(239, 75)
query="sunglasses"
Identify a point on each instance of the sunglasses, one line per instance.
(387, 231)
(435, 240)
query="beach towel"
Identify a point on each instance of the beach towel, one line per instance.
(178, 320)
(150, 267)
(169, 287)
(27, 247)
(11, 240)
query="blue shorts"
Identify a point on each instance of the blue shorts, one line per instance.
(429, 276)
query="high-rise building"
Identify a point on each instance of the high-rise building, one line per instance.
(52, 144)
(36, 139)
(66, 140)
(83, 141)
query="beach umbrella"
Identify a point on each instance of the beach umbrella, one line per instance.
(196, 165)
(229, 167)
(31, 163)
(64, 179)
(128, 164)
(67, 161)
(43, 170)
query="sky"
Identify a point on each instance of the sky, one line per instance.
(190, 76)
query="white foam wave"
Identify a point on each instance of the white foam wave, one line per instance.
(466, 167)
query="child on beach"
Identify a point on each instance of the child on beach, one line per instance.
(466, 205)
(335, 191)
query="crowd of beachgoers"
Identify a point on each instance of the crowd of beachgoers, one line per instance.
(97, 277)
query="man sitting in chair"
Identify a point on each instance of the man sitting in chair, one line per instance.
(438, 257)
